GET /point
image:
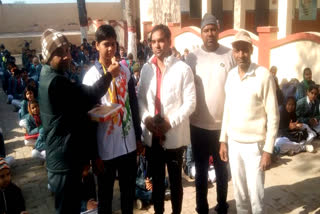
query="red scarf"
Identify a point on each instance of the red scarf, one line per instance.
(158, 94)
(37, 119)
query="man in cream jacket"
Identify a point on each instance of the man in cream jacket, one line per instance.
(249, 127)
(167, 97)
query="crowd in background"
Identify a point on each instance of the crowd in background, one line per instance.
(298, 103)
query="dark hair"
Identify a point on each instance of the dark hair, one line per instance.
(130, 56)
(164, 29)
(29, 88)
(104, 32)
(313, 86)
(305, 70)
(290, 98)
(32, 102)
(16, 72)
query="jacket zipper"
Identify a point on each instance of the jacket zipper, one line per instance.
(5, 202)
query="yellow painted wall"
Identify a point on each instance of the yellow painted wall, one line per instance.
(63, 17)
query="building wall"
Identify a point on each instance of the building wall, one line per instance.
(292, 58)
(297, 25)
(17, 18)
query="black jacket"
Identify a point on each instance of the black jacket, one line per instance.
(63, 108)
(11, 200)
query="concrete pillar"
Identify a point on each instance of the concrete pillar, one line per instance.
(145, 15)
(206, 7)
(239, 14)
(267, 35)
(285, 8)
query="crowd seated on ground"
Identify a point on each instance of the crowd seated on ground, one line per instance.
(299, 114)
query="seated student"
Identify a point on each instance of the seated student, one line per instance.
(143, 183)
(35, 69)
(280, 98)
(304, 84)
(74, 74)
(11, 199)
(290, 130)
(15, 89)
(289, 88)
(28, 95)
(88, 190)
(34, 128)
(308, 109)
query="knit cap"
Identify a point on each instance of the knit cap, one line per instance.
(208, 19)
(50, 41)
(3, 164)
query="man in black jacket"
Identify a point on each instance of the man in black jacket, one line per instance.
(63, 109)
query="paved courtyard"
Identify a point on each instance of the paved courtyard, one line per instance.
(291, 186)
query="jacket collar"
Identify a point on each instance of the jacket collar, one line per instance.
(168, 61)
(99, 67)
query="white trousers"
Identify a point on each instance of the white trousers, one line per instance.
(247, 178)
(287, 145)
(39, 154)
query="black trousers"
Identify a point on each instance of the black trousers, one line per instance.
(126, 166)
(67, 189)
(173, 159)
(205, 143)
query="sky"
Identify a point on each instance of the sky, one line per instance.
(52, 1)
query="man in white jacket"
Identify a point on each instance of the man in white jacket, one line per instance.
(250, 126)
(166, 96)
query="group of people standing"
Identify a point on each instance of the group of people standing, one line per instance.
(217, 100)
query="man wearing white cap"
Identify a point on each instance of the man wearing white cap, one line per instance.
(249, 127)
(210, 64)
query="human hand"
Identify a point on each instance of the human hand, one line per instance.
(313, 122)
(265, 161)
(140, 148)
(299, 125)
(148, 183)
(223, 152)
(114, 68)
(92, 204)
(164, 126)
(85, 170)
(149, 122)
(292, 125)
(98, 166)
(24, 212)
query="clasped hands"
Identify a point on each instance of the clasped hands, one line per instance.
(158, 125)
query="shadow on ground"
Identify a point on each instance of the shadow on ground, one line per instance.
(287, 198)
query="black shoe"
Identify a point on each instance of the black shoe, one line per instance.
(222, 209)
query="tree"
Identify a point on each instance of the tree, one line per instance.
(132, 32)
(82, 10)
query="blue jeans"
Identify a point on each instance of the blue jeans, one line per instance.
(205, 143)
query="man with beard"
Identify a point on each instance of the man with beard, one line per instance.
(166, 96)
(63, 110)
(210, 64)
